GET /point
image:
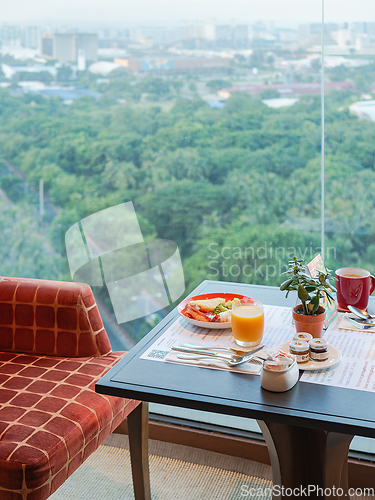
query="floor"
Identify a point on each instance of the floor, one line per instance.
(176, 472)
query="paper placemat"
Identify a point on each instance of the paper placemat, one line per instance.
(357, 367)
(355, 371)
(278, 329)
(251, 368)
(345, 325)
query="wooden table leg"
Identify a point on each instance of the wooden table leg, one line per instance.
(138, 444)
(307, 458)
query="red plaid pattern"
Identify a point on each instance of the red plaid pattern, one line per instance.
(54, 349)
(50, 317)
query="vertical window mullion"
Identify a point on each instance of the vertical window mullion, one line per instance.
(322, 137)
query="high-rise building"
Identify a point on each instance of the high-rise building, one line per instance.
(10, 35)
(240, 32)
(47, 46)
(30, 37)
(287, 35)
(309, 29)
(344, 37)
(209, 32)
(65, 46)
(224, 32)
(89, 43)
(370, 29)
(81, 60)
(155, 35)
(194, 32)
(358, 27)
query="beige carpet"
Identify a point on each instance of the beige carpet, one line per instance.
(177, 473)
(106, 475)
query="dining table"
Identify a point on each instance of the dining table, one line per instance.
(307, 429)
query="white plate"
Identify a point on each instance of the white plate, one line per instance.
(333, 359)
(211, 326)
(204, 324)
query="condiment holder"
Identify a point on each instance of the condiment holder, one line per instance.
(279, 372)
(305, 348)
(319, 349)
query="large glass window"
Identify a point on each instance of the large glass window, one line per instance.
(207, 117)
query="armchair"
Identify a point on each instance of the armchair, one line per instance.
(53, 349)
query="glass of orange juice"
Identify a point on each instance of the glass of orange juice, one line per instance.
(247, 323)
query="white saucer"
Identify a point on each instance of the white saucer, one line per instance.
(333, 359)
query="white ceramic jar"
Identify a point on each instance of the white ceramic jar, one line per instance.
(319, 349)
(279, 381)
(300, 349)
(306, 337)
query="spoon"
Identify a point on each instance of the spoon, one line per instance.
(359, 313)
(228, 362)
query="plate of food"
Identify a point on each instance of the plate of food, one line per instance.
(210, 310)
(333, 359)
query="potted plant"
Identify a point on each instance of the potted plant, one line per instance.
(309, 316)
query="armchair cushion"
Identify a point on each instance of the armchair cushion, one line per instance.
(51, 419)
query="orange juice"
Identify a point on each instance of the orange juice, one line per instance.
(247, 324)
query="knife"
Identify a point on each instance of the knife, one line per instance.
(213, 352)
(363, 321)
(231, 350)
(224, 355)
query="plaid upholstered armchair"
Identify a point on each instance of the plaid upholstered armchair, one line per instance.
(53, 349)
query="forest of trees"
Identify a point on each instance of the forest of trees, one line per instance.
(216, 181)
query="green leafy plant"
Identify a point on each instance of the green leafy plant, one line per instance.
(309, 289)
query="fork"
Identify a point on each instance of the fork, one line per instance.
(232, 350)
(228, 362)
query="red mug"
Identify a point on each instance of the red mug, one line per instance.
(354, 287)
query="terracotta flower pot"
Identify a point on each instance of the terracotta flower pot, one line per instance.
(310, 324)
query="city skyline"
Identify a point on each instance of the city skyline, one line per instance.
(115, 12)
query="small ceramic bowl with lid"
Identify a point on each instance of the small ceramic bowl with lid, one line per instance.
(279, 372)
(302, 336)
(300, 349)
(319, 349)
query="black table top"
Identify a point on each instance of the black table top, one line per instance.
(220, 391)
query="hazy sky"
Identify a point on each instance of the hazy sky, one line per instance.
(185, 10)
